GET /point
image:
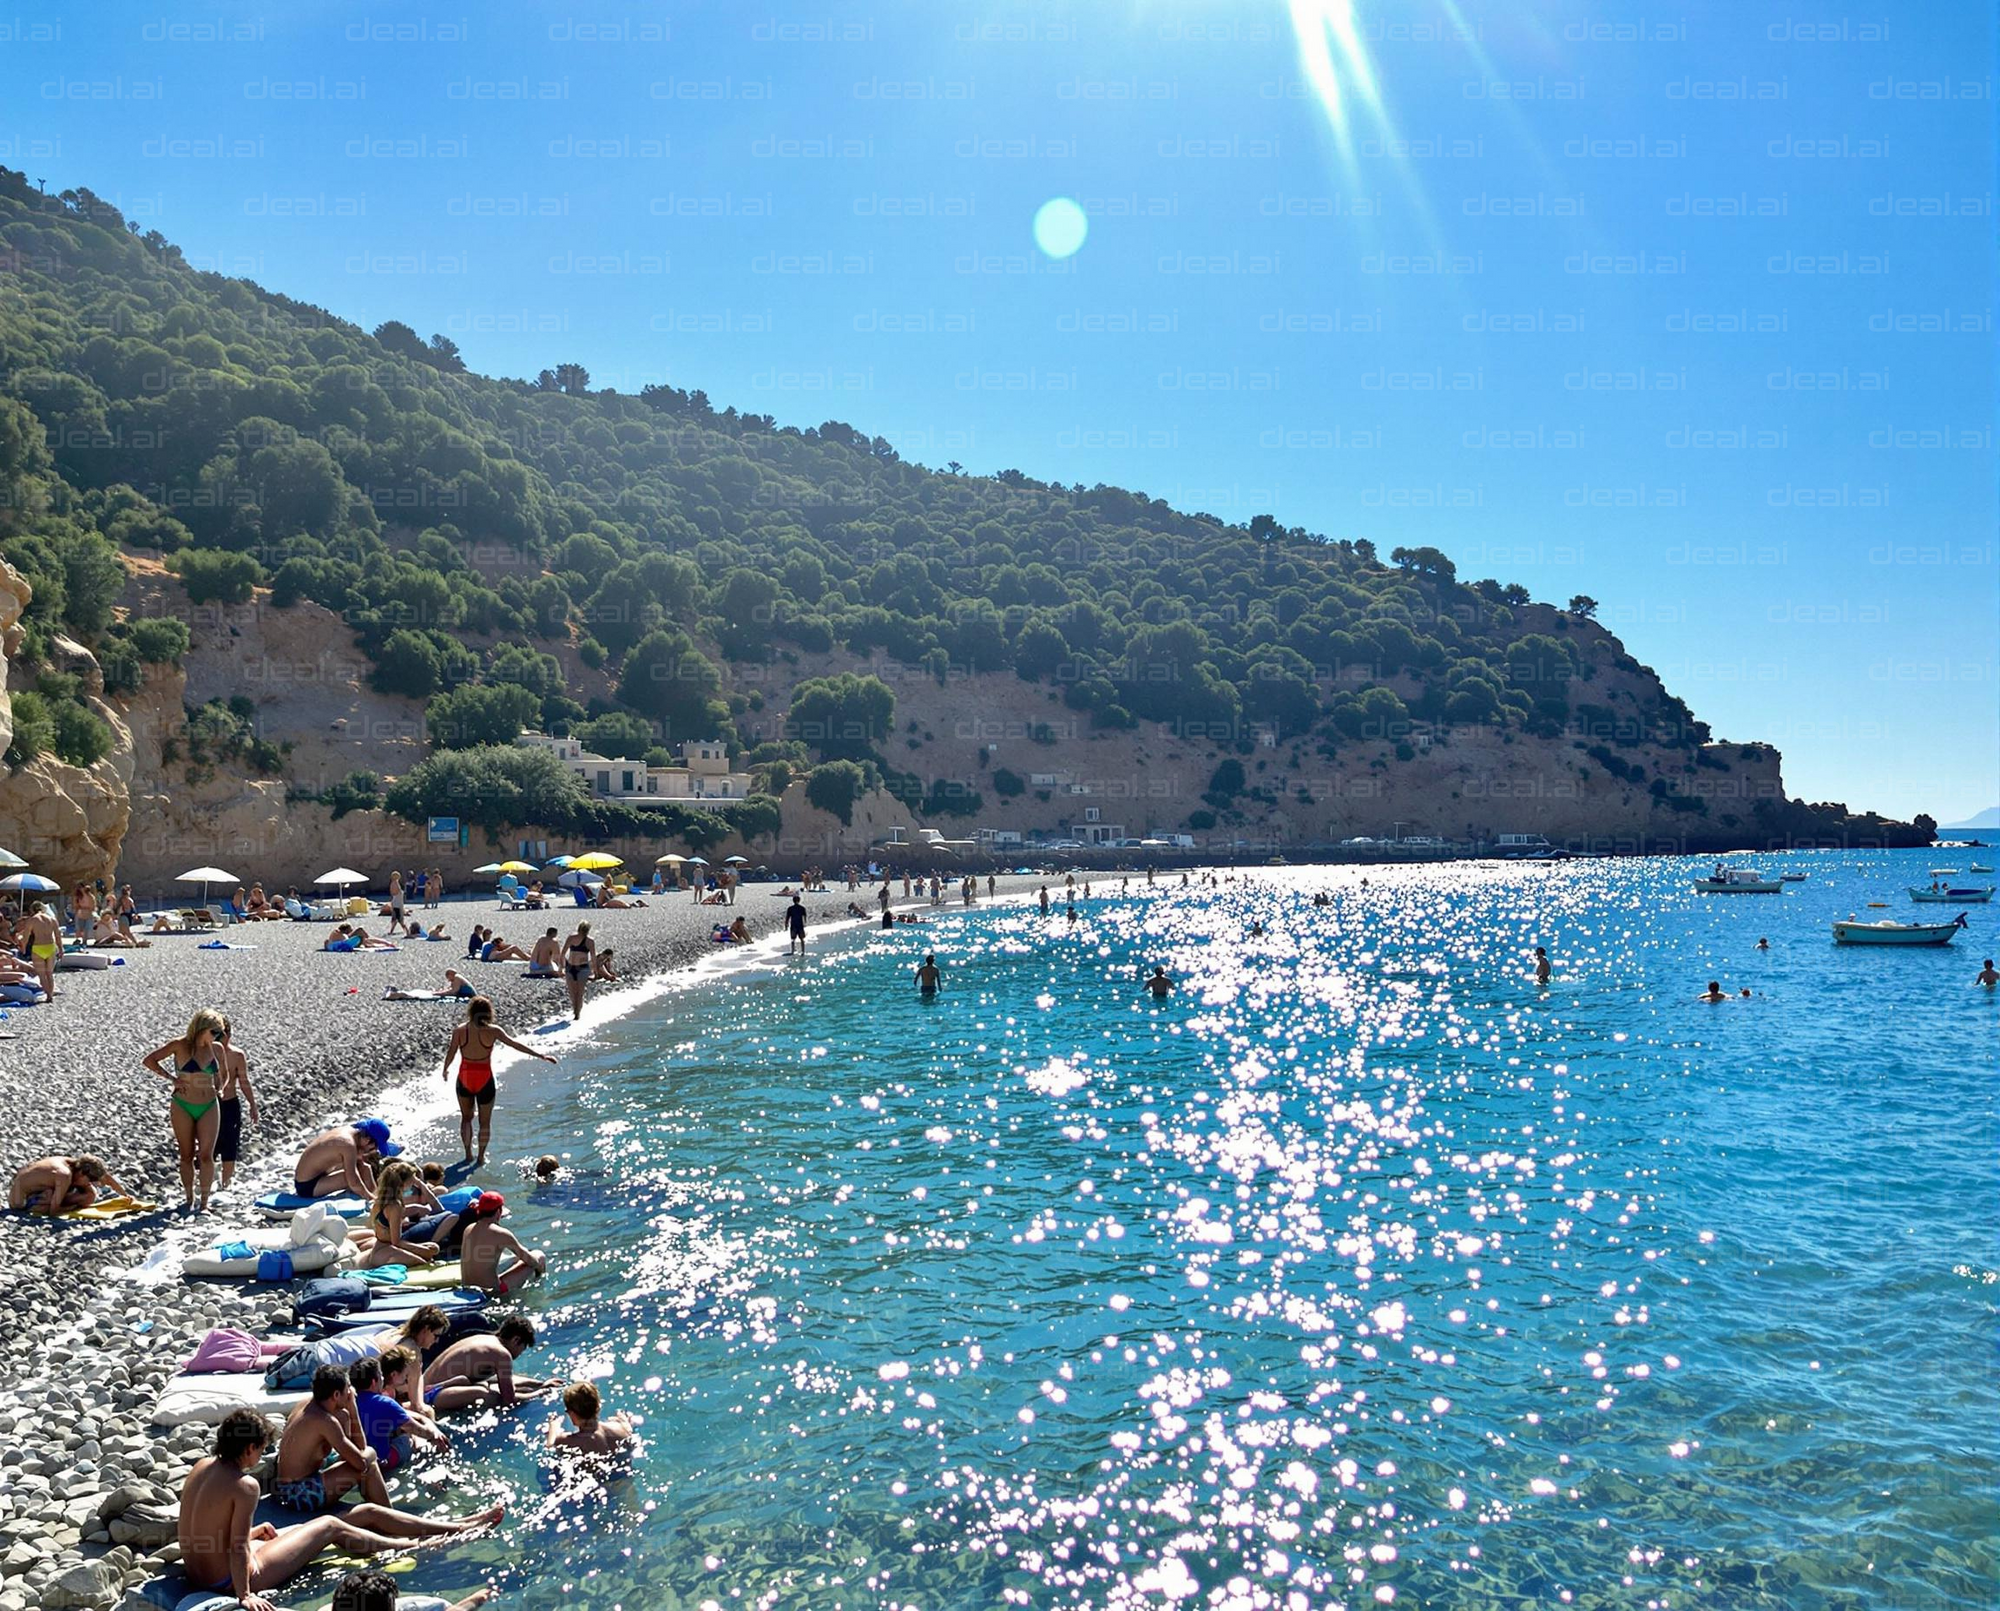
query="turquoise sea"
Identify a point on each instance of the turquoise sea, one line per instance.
(1358, 1272)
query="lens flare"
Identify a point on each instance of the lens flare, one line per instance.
(1060, 227)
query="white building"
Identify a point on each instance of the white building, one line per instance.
(702, 776)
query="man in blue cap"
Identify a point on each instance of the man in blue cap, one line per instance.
(341, 1163)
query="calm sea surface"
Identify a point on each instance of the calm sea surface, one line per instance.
(1358, 1272)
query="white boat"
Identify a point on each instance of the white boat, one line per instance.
(1737, 881)
(1792, 878)
(1947, 895)
(1855, 932)
(1978, 867)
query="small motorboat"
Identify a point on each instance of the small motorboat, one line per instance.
(1977, 867)
(1954, 895)
(1737, 881)
(1792, 878)
(1855, 932)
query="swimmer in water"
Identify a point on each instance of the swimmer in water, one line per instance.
(929, 975)
(1542, 968)
(1159, 983)
(1763, 944)
(1987, 976)
(1714, 992)
(1743, 994)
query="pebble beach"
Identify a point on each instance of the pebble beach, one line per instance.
(88, 1488)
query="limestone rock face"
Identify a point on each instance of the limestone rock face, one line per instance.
(14, 593)
(68, 822)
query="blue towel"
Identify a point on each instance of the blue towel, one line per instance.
(234, 1250)
(274, 1265)
(387, 1275)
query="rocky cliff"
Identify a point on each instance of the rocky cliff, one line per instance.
(67, 822)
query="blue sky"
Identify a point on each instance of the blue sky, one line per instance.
(1687, 307)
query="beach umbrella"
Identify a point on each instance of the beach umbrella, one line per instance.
(597, 862)
(668, 860)
(205, 876)
(697, 861)
(516, 867)
(341, 877)
(490, 867)
(19, 882)
(578, 875)
(10, 861)
(736, 861)
(559, 861)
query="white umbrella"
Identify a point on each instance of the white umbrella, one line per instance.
(490, 867)
(9, 860)
(341, 877)
(576, 876)
(205, 876)
(736, 861)
(668, 860)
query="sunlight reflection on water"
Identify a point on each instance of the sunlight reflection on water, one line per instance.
(1357, 1271)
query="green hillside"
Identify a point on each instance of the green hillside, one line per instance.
(464, 526)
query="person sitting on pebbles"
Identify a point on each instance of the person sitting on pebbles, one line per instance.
(106, 931)
(226, 1551)
(61, 1185)
(477, 1373)
(341, 1163)
(484, 1243)
(497, 949)
(542, 965)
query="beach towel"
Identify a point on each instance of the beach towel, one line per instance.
(234, 1250)
(384, 1275)
(230, 1351)
(111, 1208)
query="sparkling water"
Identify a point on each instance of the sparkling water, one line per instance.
(1358, 1271)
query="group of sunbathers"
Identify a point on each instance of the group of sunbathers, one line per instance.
(373, 1401)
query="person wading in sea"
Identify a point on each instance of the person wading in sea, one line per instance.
(472, 1044)
(579, 957)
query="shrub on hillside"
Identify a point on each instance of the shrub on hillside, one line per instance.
(34, 730)
(217, 575)
(466, 717)
(835, 785)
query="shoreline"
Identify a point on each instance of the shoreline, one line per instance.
(78, 1378)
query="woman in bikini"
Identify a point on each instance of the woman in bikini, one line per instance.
(192, 1064)
(385, 1219)
(472, 1044)
(235, 1089)
(579, 957)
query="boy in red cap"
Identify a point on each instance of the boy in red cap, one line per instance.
(484, 1243)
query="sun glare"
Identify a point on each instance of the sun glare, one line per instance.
(1334, 58)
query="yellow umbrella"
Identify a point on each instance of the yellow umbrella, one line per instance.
(518, 867)
(596, 862)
